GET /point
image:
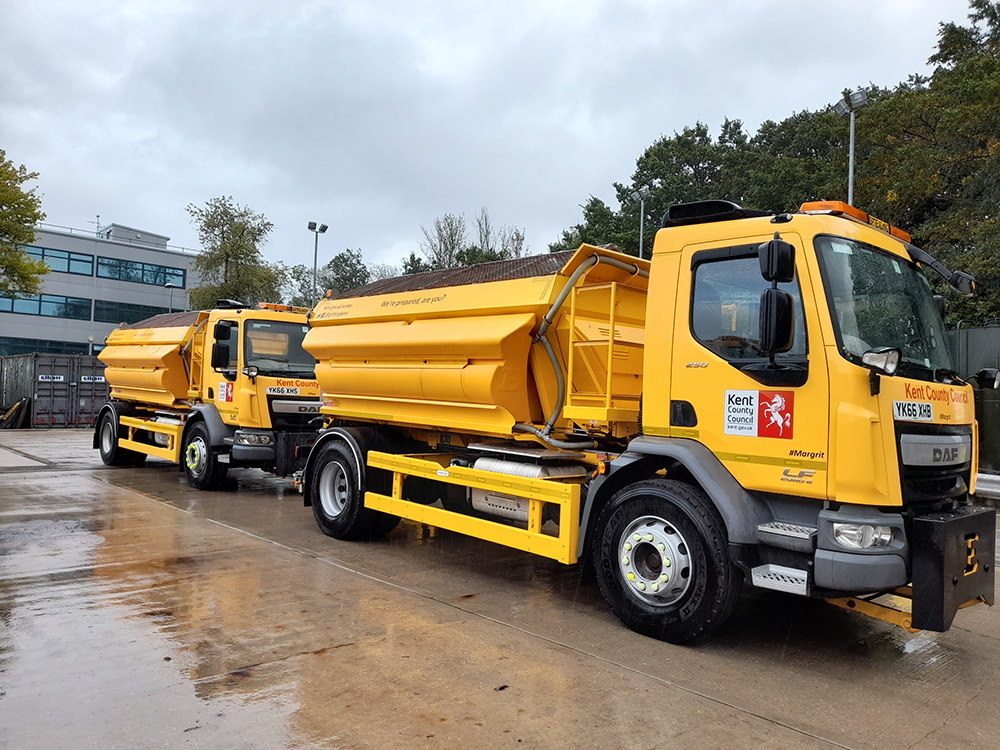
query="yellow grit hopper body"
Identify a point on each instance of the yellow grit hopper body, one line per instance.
(148, 365)
(463, 356)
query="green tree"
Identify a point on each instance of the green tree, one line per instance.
(777, 169)
(20, 210)
(342, 273)
(230, 263)
(933, 164)
(415, 264)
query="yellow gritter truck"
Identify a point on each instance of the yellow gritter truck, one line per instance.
(768, 401)
(211, 389)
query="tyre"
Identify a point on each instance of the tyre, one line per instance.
(202, 467)
(662, 561)
(113, 454)
(337, 495)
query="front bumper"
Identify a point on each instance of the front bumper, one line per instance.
(953, 559)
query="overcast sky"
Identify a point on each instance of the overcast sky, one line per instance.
(375, 117)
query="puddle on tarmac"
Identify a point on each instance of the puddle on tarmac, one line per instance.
(83, 657)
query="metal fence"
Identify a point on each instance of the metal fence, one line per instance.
(66, 390)
(975, 348)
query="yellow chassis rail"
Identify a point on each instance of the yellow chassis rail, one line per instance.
(897, 616)
(539, 491)
(173, 432)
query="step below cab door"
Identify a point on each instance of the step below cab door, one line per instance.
(768, 424)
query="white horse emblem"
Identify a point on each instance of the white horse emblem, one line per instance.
(775, 412)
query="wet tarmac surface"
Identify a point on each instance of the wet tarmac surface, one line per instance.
(138, 613)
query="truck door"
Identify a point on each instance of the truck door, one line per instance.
(768, 425)
(225, 364)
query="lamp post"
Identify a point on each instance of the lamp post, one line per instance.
(641, 195)
(171, 286)
(858, 99)
(317, 231)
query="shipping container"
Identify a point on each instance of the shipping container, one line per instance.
(66, 390)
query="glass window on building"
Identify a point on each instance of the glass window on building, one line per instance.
(27, 305)
(63, 261)
(107, 311)
(139, 272)
(49, 305)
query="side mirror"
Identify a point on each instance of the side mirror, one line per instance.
(220, 356)
(222, 330)
(777, 321)
(883, 360)
(777, 260)
(963, 282)
(988, 377)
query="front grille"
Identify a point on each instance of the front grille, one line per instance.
(930, 489)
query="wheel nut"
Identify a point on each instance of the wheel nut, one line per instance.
(628, 546)
(664, 578)
(625, 560)
(641, 586)
(662, 547)
(637, 537)
(648, 537)
(631, 576)
(666, 562)
(656, 587)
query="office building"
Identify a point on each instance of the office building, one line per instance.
(98, 280)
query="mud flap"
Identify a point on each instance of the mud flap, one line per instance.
(952, 564)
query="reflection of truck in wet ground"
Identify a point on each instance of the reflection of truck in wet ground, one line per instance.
(768, 400)
(210, 389)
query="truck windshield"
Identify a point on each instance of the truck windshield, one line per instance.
(879, 299)
(275, 348)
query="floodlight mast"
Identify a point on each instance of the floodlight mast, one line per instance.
(316, 233)
(858, 99)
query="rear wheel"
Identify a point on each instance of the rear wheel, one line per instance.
(663, 561)
(113, 454)
(338, 495)
(202, 467)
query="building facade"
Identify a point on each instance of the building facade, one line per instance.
(98, 280)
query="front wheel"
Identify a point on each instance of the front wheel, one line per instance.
(201, 465)
(113, 454)
(663, 561)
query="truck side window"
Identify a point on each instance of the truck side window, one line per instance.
(725, 307)
(234, 353)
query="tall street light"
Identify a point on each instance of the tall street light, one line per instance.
(641, 195)
(171, 286)
(317, 231)
(858, 99)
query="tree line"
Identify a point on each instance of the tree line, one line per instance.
(231, 264)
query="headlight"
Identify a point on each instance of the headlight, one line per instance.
(252, 438)
(861, 536)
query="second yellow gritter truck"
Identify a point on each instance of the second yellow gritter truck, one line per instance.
(211, 389)
(769, 400)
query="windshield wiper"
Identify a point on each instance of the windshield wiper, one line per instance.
(933, 374)
(959, 280)
(915, 369)
(949, 377)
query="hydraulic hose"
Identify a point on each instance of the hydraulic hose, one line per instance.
(540, 337)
